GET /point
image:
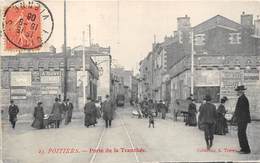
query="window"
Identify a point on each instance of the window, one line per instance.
(234, 38)
(199, 39)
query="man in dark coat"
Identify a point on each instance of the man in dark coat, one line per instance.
(38, 116)
(208, 117)
(69, 110)
(108, 111)
(56, 113)
(242, 117)
(13, 111)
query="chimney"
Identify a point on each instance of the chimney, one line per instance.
(246, 20)
(183, 23)
(154, 41)
(52, 49)
(257, 27)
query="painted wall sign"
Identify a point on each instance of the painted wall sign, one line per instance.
(21, 79)
(251, 75)
(207, 78)
(230, 79)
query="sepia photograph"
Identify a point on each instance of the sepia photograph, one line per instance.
(128, 81)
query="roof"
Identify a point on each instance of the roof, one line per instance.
(217, 21)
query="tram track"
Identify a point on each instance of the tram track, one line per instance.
(104, 139)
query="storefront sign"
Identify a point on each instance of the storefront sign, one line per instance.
(18, 91)
(21, 79)
(49, 90)
(230, 79)
(207, 78)
(251, 75)
(50, 79)
(18, 97)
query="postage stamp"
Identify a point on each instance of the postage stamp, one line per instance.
(27, 24)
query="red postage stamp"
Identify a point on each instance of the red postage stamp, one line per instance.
(27, 24)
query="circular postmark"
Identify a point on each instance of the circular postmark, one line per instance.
(28, 24)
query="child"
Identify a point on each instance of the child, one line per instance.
(151, 120)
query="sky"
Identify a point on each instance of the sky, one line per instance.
(128, 27)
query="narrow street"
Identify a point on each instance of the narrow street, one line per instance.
(168, 141)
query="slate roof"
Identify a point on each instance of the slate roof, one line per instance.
(217, 21)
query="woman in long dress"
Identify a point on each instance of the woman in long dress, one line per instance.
(221, 125)
(91, 113)
(38, 116)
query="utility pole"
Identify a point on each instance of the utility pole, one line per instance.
(192, 64)
(84, 68)
(65, 52)
(89, 34)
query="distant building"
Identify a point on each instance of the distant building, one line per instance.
(102, 58)
(130, 83)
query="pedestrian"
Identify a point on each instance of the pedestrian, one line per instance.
(56, 113)
(151, 120)
(13, 111)
(192, 111)
(242, 118)
(162, 108)
(38, 116)
(69, 110)
(156, 107)
(91, 113)
(64, 109)
(208, 117)
(108, 111)
(221, 125)
(145, 107)
(150, 107)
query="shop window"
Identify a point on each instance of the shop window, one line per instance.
(200, 92)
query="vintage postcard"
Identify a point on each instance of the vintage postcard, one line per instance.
(125, 81)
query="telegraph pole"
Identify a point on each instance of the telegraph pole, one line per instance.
(89, 34)
(83, 68)
(65, 52)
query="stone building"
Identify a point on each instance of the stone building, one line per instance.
(102, 59)
(226, 54)
(28, 78)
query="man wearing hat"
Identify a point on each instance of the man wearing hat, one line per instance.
(13, 110)
(108, 111)
(208, 117)
(242, 117)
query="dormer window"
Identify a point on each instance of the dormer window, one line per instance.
(234, 38)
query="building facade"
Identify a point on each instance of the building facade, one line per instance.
(102, 59)
(226, 54)
(29, 78)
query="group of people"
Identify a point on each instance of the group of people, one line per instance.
(59, 112)
(213, 120)
(152, 108)
(93, 112)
